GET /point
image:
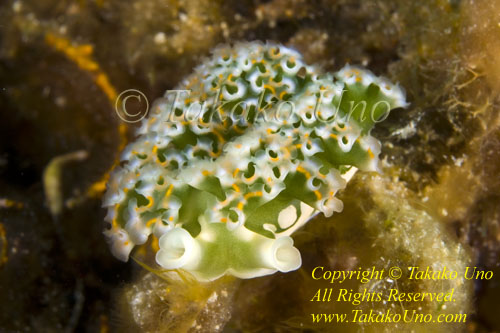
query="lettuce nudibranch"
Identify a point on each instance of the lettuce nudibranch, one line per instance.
(225, 171)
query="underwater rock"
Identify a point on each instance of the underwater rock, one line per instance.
(53, 100)
(175, 303)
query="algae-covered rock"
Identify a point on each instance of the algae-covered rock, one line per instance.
(434, 204)
(175, 303)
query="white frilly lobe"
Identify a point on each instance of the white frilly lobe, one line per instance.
(178, 250)
(120, 244)
(281, 255)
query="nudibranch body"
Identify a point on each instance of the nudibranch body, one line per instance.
(225, 171)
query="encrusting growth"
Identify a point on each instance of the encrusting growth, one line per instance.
(244, 152)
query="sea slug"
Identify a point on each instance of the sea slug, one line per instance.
(223, 173)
